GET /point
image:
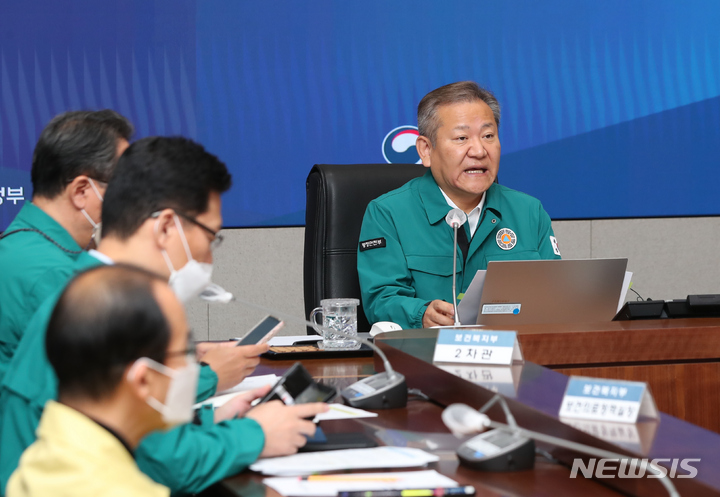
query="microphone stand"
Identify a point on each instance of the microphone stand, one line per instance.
(454, 282)
(455, 218)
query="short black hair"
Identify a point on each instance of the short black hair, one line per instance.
(75, 143)
(158, 173)
(106, 318)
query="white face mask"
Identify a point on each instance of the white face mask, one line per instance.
(181, 394)
(191, 279)
(97, 227)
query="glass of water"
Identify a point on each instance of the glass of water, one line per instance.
(337, 315)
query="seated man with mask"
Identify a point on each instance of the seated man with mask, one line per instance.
(73, 159)
(118, 342)
(162, 213)
(405, 256)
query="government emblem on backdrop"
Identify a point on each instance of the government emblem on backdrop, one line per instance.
(506, 238)
(399, 146)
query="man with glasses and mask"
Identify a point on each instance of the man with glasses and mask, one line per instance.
(72, 161)
(161, 213)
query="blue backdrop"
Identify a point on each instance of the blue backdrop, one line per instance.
(610, 109)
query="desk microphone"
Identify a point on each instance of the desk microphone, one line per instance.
(513, 441)
(455, 218)
(386, 390)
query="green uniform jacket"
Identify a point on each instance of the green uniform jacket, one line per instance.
(32, 268)
(187, 459)
(408, 260)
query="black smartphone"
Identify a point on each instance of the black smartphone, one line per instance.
(296, 386)
(337, 441)
(262, 332)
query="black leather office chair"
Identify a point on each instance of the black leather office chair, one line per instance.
(337, 196)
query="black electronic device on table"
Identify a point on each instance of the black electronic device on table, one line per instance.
(497, 450)
(641, 309)
(337, 441)
(694, 306)
(386, 390)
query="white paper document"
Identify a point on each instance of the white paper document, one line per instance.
(341, 411)
(338, 460)
(249, 383)
(329, 486)
(627, 281)
(217, 401)
(252, 382)
(470, 304)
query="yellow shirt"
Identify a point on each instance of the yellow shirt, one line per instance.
(73, 455)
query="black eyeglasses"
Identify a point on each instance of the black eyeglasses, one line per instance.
(217, 238)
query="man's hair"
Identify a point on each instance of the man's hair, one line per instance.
(159, 173)
(106, 319)
(75, 143)
(463, 91)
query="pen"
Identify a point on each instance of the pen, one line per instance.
(349, 477)
(420, 492)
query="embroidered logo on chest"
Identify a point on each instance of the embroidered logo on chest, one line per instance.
(506, 238)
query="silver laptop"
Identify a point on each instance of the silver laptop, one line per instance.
(555, 291)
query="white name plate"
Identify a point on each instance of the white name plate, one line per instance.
(607, 400)
(465, 346)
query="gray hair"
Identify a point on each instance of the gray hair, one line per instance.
(463, 91)
(75, 143)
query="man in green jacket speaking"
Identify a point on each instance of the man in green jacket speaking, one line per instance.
(405, 259)
(161, 213)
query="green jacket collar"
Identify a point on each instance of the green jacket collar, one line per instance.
(436, 207)
(31, 216)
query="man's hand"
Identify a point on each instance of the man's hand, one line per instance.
(284, 426)
(240, 404)
(232, 364)
(439, 313)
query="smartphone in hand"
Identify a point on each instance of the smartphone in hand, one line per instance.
(297, 386)
(262, 332)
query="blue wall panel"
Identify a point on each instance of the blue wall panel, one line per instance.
(610, 108)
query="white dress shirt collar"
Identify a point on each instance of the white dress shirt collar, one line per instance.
(101, 257)
(473, 217)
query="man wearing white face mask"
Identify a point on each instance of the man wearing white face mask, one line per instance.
(191, 279)
(96, 227)
(73, 159)
(118, 342)
(161, 212)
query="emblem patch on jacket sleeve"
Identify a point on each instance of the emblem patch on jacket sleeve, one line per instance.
(372, 244)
